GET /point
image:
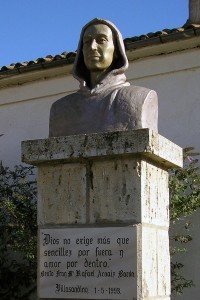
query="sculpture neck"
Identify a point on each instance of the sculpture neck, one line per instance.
(96, 77)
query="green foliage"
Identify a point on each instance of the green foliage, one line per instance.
(18, 231)
(178, 281)
(184, 185)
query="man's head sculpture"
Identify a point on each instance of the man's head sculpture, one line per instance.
(101, 49)
(105, 100)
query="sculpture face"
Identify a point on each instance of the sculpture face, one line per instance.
(98, 47)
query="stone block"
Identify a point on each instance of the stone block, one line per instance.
(115, 191)
(154, 198)
(153, 262)
(124, 190)
(143, 142)
(62, 194)
(163, 260)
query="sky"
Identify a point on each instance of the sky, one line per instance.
(30, 29)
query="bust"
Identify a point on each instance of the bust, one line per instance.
(105, 101)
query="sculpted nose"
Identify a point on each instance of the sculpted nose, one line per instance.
(93, 45)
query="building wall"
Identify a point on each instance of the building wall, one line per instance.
(175, 77)
(24, 114)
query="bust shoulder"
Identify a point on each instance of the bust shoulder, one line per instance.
(137, 93)
(66, 100)
(141, 103)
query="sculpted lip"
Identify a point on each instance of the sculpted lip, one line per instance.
(94, 55)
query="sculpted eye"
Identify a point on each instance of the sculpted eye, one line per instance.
(101, 40)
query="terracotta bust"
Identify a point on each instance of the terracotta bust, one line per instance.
(105, 101)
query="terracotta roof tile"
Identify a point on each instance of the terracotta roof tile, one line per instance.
(135, 42)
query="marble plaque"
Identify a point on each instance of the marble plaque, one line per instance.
(88, 263)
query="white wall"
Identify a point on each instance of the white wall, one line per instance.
(24, 114)
(176, 78)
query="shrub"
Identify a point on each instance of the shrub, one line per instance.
(184, 186)
(18, 231)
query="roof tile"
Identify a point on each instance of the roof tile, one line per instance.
(135, 42)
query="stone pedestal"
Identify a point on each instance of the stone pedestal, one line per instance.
(113, 180)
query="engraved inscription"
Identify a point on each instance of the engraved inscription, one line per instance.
(87, 263)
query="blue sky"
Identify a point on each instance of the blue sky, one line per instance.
(30, 29)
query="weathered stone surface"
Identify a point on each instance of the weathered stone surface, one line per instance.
(109, 190)
(153, 262)
(154, 198)
(143, 142)
(115, 191)
(124, 190)
(62, 194)
(163, 261)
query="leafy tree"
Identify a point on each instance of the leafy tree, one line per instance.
(18, 231)
(184, 185)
